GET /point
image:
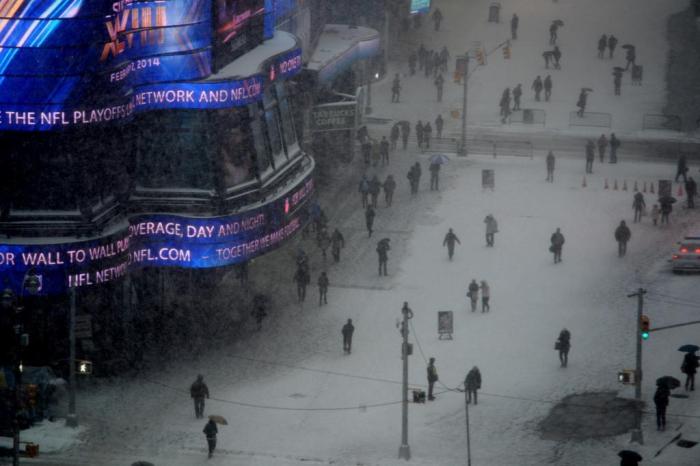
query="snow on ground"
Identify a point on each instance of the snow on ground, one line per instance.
(52, 437)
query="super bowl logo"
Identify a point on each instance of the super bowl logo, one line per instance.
(134, 26)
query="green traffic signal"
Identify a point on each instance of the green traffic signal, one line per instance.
(645, 335)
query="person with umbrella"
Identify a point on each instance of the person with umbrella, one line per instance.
(630, 55)
(472, 383)
(689, 366)
(612, 43)
(563, 345)
(449, 241)
(553, 28)
(661, 402)
(547, 88)
(666, 204)
(629, 458)
(210, 431)
(582, 99)
(602, 45)
(435, 162)
(383, 255)
(622, 236)
(537, 87)
(198, 391)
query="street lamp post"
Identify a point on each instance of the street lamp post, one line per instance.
(465, 80)
(405, 449)
(637, 435)
(72, 418)
(368, 76)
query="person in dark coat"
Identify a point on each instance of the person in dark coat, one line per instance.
(666, 209)
(384, 151)
(259, 309)
(473, 294)
(691, 190)
(394, 136)
(547, 55)
(348, 330)
(556, 55)
(375, 187)
(369, 219)
(537, 87)
(389, 188)
(337, 243)
(363, 189)
(427, 133)
(323, 289)
(622, 236)
(689, 368)
(367, 152)
(681, 168)
(437, 18)
(661, 398)
(417, 174)
(472, 383)
(439, 85)
(563, 346)
(547, 88)
(631, 57)
(432, 378)
(419, 134)
(199, 391)
(396, 88)
(638, 205)
(449, 241)
(517, 93)
(210, 430)
(602, 146)
(514, 21)
(550, 167)
(302, 278)
(557, 243)
(581, 103)
(491, 229)
(612, 43)
(602, 45)
(434, 169)
(412, 58)
(439, 123)
(553, 33)
(383, 255)
(405, 132)
(505, 105)
(617, 81)
(614, 146)
(590, 156)
(412, 179)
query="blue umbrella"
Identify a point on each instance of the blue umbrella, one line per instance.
(689, 348)
(439, 159)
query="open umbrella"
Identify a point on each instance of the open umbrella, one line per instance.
(629, 454)
(439, 159)
(667, 200)
(618, 68)
(384, 240)
(689, 348)
(218, 419)
(586, 89)
(558, 22)
(628, 46)
(669, 382)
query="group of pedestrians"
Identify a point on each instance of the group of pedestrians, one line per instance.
(472, 382)
(473, 294)
(431, 62)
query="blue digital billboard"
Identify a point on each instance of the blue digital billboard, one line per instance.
(420, 6)
(158, 240)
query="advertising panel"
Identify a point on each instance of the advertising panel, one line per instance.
(158, 240)
(239, 25)
(332, 117)
(420, 6)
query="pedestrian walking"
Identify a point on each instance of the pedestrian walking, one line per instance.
(689, 368)
(563, 345)
(537, 87)
(602, 146)
(375, 187)
(617, 80)
(614, 146)
(394, 135)
(198, 392)
(630, 56)
(337, 243)
(323, 289)
(259, 310)
(485, 296)
(369, 219)
(419, 134)
(302, 260)
(548, 57)
(473, 294)
(439, 124)
(421, 56)
(210, 430)
(432, 378)
(547, 88)
(622, 236)
(347, 331)
(661, 398)
(472, 383)
(514, 21)
(375, 153)
(439, 83)
(581, 103)
(517, 92)
(384, 151)
(363, 189)
(396, 88)
(666, 209)
(612, 43)
(444, 57)
(449, 241)
(550, 167)
(681, 168)
(437, 18)
(691, 190)
(557, 243)
(427, 133)
(505, 105)
(383, 249)
(323, 240)
(434, 169)
(602, 45)
(491, 229)
(655, 213)
(553, 35)
(389, 187)
(590, 156)
(302, 278)
(556, 56)
(412, 179)
(638, 205)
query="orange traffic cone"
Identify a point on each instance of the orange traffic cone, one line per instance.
(624, 185)
(651, 187)
(644, 187)
(583, 184)
(635, 186)
(606, 184)
(680, 190)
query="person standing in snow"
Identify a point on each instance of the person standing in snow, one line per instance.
(691, 190)
(666, 209)
(396, 88)
(602, 45)
(383, 255)
(369, 220)
(547, 55)
(199, 391)
(384, 150)
(434, 169)
(681, 168)
(363, 189)
(210, 430)
(491, 229)
(375, 187)
(661, 398)
(485, 296)
(324, 242)
(323, 289)
(473, 294)
(449, 241)
(437, 18)
(389, 187)
(505, 105)
(547, 88)
(553, 33)
(412, 58)
(537, 87)
(439, 123)
(348, 330)
(557, 243)
(472, 383)
(617, 81)
(419, 134)
(394, 136)
(417, 174)
(612, 43)
(689, 368)
(337, 243)
(581, 103)
(563, 345)
(514, 21)
(302, 278)
(550, 167)
(630, 56)
(590, 156)
(427, 133)
(432, 378)
(638, 205)
(439, 84)
(556, 56)
(614, 146)
(517, 92)
(622, 236)
(405, 132)
(602, 146)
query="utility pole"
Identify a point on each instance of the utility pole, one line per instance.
(465, 80)
(72, 418)
(404, 449)
(637, 435)
(368, 76)
(466, 410)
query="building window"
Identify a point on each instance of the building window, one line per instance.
(290, 136)
(234, 139)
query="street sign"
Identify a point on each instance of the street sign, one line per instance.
(445, 325)
(83, 326)
(334, 117)
(488, 179)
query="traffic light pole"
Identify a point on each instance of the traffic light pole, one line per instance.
(466, 410)
(465, 80)
(405, 449)
(637, 435)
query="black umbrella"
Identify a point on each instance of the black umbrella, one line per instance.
(667, 200)
(628, 46)
(618, 68)
(558, 22)
(586, 89)
(689, 348)
(668, 382)
(384, 240)
(629, 454)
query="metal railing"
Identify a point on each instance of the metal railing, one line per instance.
(528, 116)
(661, 122)
(595, 119)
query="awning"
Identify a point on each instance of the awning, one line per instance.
(339, 46)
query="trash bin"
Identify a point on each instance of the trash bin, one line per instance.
(32, 450)
(528, 116)
(494, 12)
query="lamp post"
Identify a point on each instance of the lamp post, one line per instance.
(72, 418)
(405, 449)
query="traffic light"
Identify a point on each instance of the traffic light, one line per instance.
(644, 327)
(480, 57)
(506, 52)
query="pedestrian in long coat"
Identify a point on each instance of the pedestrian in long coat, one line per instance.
(556, 55)
(337, 243)
(473, 294)
(602, 146)
(449, 241)
(614, 146)
(375, 187)
(537, 87)
(419, 134)
(557, 243)
(302, 278)
(666, 209)
(472, 383)
(389, 187)
(384, 150)
(437, 18)
(590, 156)
(612, 43)
(439, 123)
(363, 189)
(622, 236)
(369, 219)
(199, 391)
(396, 88)
(485, 296)
(347, 331)
(491, 229)
(434, 169)
(517, 93)
(439, 83)
(691, 190)
(367, 152)
(427, 133)
(394, 136)
(432, 378)
(405, 132)
(323, 283)
(210, 430)
(581, 103)
(631, 57)
(383, 256)
(690, 368)
(547, 88)
(563, 345)
(550, 167)
(661, 398)
(638, 205)
(602, 45)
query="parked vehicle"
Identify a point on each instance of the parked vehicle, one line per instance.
(687, 257)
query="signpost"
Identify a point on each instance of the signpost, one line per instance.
(445, 325)
(334, 117)
(488, 179)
